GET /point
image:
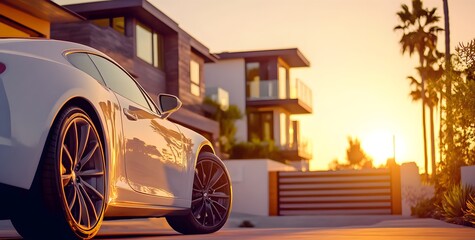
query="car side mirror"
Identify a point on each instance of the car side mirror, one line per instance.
(168, 104)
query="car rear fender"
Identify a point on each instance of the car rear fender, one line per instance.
(33, 91)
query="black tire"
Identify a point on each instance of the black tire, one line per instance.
(211, 198)
(67, 199)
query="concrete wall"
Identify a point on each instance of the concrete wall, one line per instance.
(230, 76)
(412, 189)
(250, 179)
(468, 175)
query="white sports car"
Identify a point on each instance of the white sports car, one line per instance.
(80, 141)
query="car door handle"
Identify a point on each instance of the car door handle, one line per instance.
(130, 115)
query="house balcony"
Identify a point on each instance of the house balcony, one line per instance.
(294, 96)
(297, 151)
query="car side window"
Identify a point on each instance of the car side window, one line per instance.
(152, 105)
(85, 64)
(119, 81)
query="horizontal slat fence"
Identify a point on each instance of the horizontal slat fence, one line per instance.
(369, 191)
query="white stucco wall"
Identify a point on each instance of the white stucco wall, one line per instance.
(230, 76)
(468, 175)
(250, 179)
(412, 189)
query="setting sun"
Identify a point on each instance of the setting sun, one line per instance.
(380, 146)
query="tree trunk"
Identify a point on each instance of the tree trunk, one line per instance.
(448, 84)
(424, 132)
(432, 143)
(447, 32)
(423, 99)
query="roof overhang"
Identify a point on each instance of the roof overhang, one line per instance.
(45, 9)
(202, 50)
(146, 13)
(292, 56)
(141, 9)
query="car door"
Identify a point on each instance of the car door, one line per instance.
(154, 158)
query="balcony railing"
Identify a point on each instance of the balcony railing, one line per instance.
(303, 146)
(275, 89)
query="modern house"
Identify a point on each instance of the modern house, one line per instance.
(153, 48)
(259, 83)
(25, 18)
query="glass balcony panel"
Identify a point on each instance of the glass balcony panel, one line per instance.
(269, 89)
(300, 145)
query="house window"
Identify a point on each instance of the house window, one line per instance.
(252, 71)
(258, 84)
(149, 45)
(261, 126)
(252, 79)
(284, 129)
(195, 77)
(116, 23)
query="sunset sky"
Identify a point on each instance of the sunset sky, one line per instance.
(357, 73)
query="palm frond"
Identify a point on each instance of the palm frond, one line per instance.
(413, 81)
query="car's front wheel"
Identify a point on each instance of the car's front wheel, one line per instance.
(67, 199)
(211, 198)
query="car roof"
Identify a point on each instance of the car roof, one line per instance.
(43, 48)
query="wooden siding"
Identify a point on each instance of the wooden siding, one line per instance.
(372, 191)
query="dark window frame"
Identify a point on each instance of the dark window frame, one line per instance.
(111, 23)
(260, 133)
(157, 40)
(193, 83)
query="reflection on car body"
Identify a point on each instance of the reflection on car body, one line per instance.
(80, 141)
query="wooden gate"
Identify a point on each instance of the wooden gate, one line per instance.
(370, 191)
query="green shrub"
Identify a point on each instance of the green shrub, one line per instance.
(454, 203)
(470, 212)
(254, 150)
(227, 122)
(424, 209)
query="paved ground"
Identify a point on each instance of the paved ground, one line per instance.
(295, 227)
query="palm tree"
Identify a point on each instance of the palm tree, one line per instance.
(447, 33)
(448, 139)
(431, 95)
(419, 35)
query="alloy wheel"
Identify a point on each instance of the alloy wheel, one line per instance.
(82, 172)
(211, 198)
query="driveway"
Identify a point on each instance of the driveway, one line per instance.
(349, 227)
